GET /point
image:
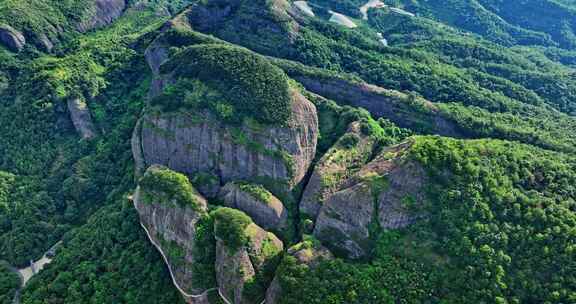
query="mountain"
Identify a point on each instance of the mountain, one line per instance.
(322, 151)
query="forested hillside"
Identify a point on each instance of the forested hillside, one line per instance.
(277, 151)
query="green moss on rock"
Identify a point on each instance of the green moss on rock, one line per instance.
(256, 191)
(230, 226)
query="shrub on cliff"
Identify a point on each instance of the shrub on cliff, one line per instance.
(230, 225)
(169, 186)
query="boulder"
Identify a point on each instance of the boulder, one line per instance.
(379, 195)
(170, 211)
(200, 143)
(11, 38)
(81, 118)
(262, 206)
(246, 257)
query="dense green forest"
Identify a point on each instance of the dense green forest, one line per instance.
(500, 224)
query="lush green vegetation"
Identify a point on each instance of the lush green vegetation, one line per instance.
(205, 253)
(500, 229)
(500, 224)
(505, 217)
(9, 283)
(230, 226)
(108, 260)
(544, 22)
(258, 192)
(251, 85)
(59, 182)
(167, 186)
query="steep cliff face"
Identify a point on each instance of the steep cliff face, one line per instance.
(11, 38)
(102, 13)
(338, 164)
(416, 113)
(379, 195)
(257, 202)
(246, 257)
(192, 145)
(190, 135)
(170, 211)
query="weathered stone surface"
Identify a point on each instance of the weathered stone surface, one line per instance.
(344, 220)
(269, 214)
(45, 42)
(381, 102)
(103, 13)
(305, 253)
(156, 54)
(334, 168)
(81, 118)
(198, 143)
(233, 271)
(168, 226)
(237, 268)
(11, 38)
(380, 190)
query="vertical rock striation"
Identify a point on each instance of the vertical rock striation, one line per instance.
(171, 225)
(193, 145)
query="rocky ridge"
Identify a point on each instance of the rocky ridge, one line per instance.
(242, 166)
(380, 194)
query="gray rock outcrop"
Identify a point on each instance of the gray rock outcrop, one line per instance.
(81, 118)
(102, 13)
(335, 166)
(237, 268)
(171, 228)
(377, 195)
(11, 38)
(268, 212)
(417, 114)
(199, 143)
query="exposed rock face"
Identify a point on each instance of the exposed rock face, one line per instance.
(11, 38)
(383, 103)
(46, 43)
(103, 13)
(233, 271)
(305, 254)
(376, 195)
(334, 168)
(81, 118)
(237, 268)
(268, 213)
(156, 54)
(172, 229)
(192, 145)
